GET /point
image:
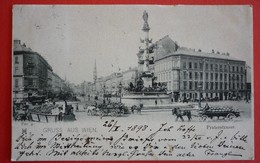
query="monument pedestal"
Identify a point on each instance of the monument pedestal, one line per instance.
(147, 82)
(147, 99)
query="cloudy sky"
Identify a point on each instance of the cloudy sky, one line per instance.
(71, 38)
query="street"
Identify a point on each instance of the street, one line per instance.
(152, 112)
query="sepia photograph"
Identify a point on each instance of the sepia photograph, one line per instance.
(136, 82)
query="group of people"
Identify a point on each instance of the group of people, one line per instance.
(68, 115)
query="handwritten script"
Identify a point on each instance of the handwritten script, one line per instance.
(119, 141)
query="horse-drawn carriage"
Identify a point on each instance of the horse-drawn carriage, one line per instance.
(111, 109)
(226, 112)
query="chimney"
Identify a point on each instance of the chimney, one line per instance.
(212, 51)
(16, 41)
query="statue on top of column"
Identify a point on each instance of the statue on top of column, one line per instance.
(145, 16)
(146, 25)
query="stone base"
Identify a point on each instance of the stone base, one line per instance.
(147, 82)
(130, 100)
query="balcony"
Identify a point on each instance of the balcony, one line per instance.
(31, 87)
(30, 64)
(31, 75)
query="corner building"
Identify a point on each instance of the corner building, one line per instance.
(189, 73)
(30, 72)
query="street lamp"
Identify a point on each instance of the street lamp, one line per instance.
(120, 91)
(199, 88)
(104, 92)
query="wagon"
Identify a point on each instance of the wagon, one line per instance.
(225, 112)
(92, 110)
(113, 109)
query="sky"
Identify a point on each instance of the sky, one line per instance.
(72, 37)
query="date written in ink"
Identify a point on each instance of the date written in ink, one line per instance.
(112, 125)
(137, 128)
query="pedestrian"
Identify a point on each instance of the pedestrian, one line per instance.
(133, 109)
(77, 107)
(60, 115)
(155, 101)
(139, 109)
(178, 113)
(206, 107)
(188, 113)
(247, 100)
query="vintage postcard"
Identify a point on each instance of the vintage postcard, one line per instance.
(136, 82)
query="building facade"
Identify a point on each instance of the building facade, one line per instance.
(129, 76)
(32, 75)
(192, 74)
(58, 83)
(112, 84)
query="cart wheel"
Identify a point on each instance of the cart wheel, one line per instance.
(203, 118)
(231, 116)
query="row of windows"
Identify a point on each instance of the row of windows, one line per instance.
(16, 83)
(211, 76)
(172, 85)
(164, 76)
(16, 60)
(192, 75)
(211, 85)
(194, 65)
(163, 66)
(31, 82)
(212, 67)
(167, 65)
(28, 71)
(207, 95)
(27, 82)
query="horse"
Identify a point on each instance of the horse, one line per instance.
(180, 113)
(137, 108)
(133, 109)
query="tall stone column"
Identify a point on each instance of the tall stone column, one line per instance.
(146, 76)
